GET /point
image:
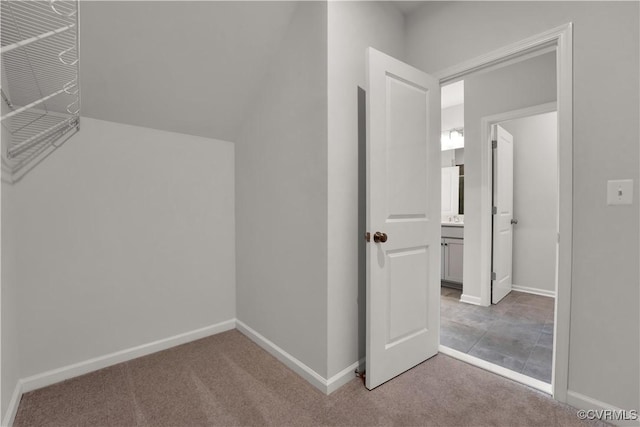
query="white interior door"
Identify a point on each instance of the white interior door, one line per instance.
(503, 214)
(403, 217)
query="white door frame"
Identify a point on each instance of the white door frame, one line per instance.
(560, 40)
(486, 124)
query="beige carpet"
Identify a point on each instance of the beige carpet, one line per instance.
(227, 380)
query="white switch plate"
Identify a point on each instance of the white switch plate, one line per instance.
(620, 192)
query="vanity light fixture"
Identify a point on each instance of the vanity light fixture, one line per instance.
(453, 138)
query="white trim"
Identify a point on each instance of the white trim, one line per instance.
(520, 49)
(534, 291)
(344, 376)
(326, 386)
(12, 409)
(562, 38)
(470, 299)
(486, 192)
(316, 380)
(581, 401)
(56, 375)
(497, 369)
(562, 313)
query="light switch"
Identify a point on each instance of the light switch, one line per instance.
(620, 192)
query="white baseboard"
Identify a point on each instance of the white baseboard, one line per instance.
(344, 376)
(534, 291)
(497, 369)
(470, 299)
(53, 376)
(326, 386)
(56, 375)
(581, 401)
(12, 409)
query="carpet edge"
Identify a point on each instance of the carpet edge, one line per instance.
(53, 376)
(326, 386)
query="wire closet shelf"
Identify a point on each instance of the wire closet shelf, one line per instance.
(40, 88)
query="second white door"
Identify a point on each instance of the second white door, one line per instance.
(502, 261)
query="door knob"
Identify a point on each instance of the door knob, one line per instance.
(514, 221)
(380, 237)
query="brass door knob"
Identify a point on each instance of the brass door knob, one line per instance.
(380, 237)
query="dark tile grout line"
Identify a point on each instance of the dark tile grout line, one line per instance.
(521, 370)
(540, 331)
(531, 351)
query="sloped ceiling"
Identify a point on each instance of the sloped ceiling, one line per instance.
(407, 7)
(188, 67)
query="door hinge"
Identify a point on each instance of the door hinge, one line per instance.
(367, 236)
(493, 275)
(494, 144)
(494, 210)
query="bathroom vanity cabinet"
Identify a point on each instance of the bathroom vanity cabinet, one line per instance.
(452, 248)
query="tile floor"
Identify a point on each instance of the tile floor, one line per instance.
(516, 333)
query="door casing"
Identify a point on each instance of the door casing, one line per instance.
(560, 40)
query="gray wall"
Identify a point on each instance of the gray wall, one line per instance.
(281, 196)
(535, 200)
(523, 84)
(189, 67)
(124, 236)
(353, 27)
(9, 356)
(604, 347)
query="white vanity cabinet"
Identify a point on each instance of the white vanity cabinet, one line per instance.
(452, 248)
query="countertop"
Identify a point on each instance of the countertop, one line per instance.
(452, 224)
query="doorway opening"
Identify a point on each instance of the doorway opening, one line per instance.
(516, 331)
(452, 185)
(478, 268)
(402, 285)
